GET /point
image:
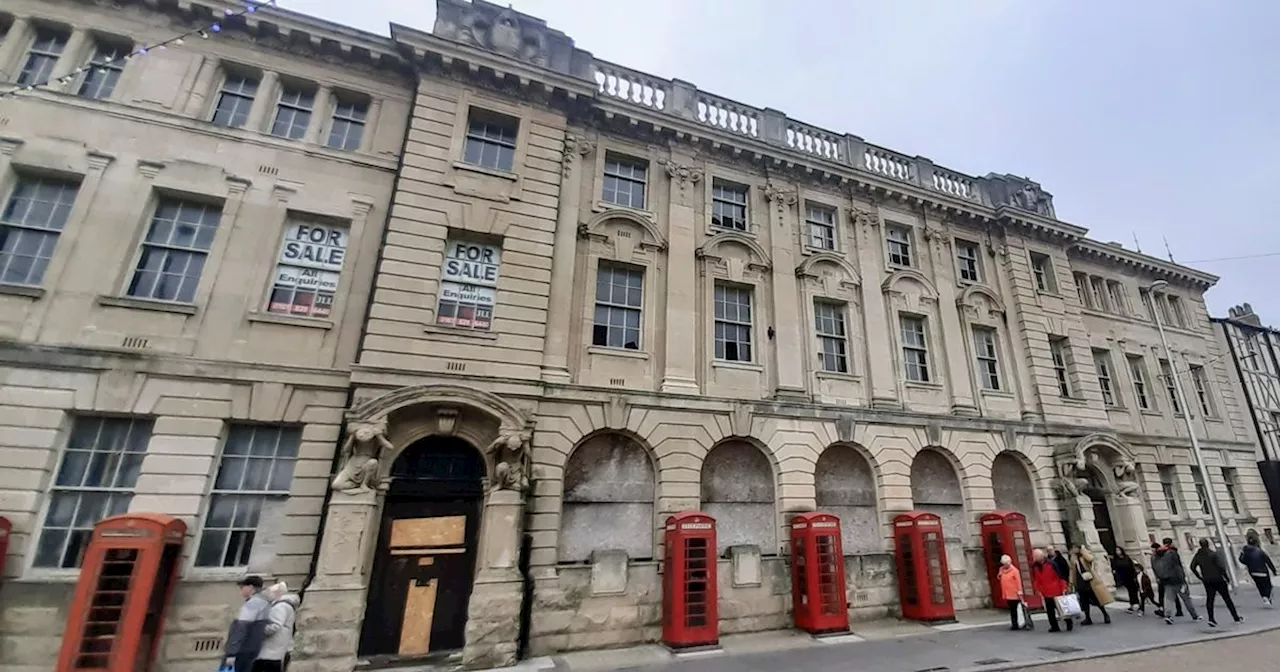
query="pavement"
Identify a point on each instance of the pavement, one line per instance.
(979, 641)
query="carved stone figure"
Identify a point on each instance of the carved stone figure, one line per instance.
(863, 217)
(574, 147)
(365, 444)
(1126, 479)
(681, 173)
(502, 33)
(1069, 478)
(512, 460)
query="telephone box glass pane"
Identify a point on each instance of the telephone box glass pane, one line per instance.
(695, 587)
(106, 608)
(1020, 559)
(828, 572)
(910, 593)
(933, 562)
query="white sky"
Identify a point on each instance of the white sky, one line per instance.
(1154, 118)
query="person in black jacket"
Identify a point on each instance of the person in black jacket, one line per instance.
(1060, 563)
(1209, 567)
(1126, 576)
(1260, 567)
(1156, 551)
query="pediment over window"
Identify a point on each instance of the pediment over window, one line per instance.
(832, 271)
(626, 231)
(909, 289)
(734, 255)
(980, 303)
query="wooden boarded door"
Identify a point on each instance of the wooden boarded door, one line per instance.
(422, 578)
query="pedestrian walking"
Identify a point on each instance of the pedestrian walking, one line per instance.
(1010, 578)
(1126, 576)
(277, 645)
(1060, 563)
(1168, 567)
(1156, 551)
(1088, 585)
(1050, 585)
(1209, 566)
(1148, 595)
(244, 637)
(1259, 566)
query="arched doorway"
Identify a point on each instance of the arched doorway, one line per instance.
(424, 564)
(1097, 492)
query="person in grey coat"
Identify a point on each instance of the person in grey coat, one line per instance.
(1173, 577)
(277, 647)
(244, 637)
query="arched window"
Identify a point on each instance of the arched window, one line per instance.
(935, 488)
(608, 499)
(846, 487)
(1013, 488)
(737, 490)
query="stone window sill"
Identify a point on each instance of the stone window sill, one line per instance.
(492, 172)
(147, 304)
(459, 333)
(601, 206)
(1003, 394)
(1115, 408)
(29, 291)
(48, 575)
(740, 366)
(617, 352)
(836, 375)
(291, 321)
(919, 385)
(1154, 414)
(1074, 401)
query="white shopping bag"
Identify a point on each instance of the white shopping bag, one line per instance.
(1069, 605)
(1024, 617)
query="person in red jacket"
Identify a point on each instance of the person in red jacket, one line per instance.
(1048, 583)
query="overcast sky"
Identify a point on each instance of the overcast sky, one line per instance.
(1154, 118)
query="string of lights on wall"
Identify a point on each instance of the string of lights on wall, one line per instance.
(203, 32)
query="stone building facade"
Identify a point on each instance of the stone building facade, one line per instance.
(189, 240)
(599, 298)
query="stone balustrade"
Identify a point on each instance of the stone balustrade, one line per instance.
(682, 99)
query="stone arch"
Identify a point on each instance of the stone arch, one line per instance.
(846, 484)
(610, 487)
(596, 225)
(711, 248)
(1014, 485)
(807, 267)
(936, 487)
(447, 396)
(902, 275)
(970, 293)
(738, 485)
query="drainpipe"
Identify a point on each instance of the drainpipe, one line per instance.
(335, 465)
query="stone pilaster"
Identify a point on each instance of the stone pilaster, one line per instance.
(555, 349)
(493, 614)
(11, 48)
(682, 282)
(264, 103)
(880, 369)
(954, 335)
(73, 56)
(789, 327)
(320, 113)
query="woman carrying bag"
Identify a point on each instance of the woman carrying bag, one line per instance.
(1089, 586)
(1011, 590)
(1048, 583)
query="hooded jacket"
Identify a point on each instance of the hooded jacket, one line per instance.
(279, 628)
(1256, 561)
(1167, 565)
(244, 638)
(1208, 565)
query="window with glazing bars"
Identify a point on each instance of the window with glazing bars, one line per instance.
(1042, 272)
(1102, 362)
(986, 350)
(255, 472)
(30, 225)
(1170, 386)
(967, 261)
(625, 181)
(1169, 486)
(347, 130)
(915, 349)
(45, 50)
(728, 206)
(95, 480)
(821, 224)
(1202, 491)
(103, 70)
(1119, 301)
(833, 343)
(1230, 478)
(899, 240)
(619, 300)
(234, 100)
(1058, 351)
(293, 112)
(1138, 371)
(1201, 383)
(733, 323)
(1082, 289)
(174, 251)
(491, 140)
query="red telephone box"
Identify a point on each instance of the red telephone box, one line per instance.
(818, 592)
(6, 528)
(924, 580)
(129, 573)
(689, 597)
(1006, 533)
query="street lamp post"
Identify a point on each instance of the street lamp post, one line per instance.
(1157, 287)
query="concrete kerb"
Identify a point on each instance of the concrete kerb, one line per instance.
(1120, 652)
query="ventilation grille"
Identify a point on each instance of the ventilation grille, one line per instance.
(624, 234)
(456, 366)
(268, 170)
(135, 342)
(618, 382)
(207, 644)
